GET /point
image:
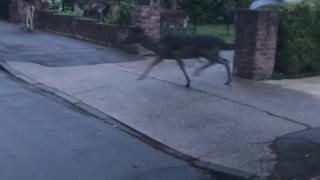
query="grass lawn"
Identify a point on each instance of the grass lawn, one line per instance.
(218, 30)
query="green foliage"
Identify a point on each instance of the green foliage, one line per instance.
(210, 11)
(299, 38)
(204, 11)
(67, 4)
(55, 5)
(60, 5)
(68, 12)
(121, 13)
(241, 3)
(62, 8)
(218, 30)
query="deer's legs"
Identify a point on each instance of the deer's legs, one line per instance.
(212, 57)
(198, 71)
(23, 25)
(31, 21)
(27, 22)
(31, 24)
(154, 63)
(100, 14)
(226, 64)
(181, 65)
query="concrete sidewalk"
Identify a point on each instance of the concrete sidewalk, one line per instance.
(232, 126)
(211, 127)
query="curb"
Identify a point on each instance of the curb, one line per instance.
(221, 172)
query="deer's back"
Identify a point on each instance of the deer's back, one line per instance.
(188, 46)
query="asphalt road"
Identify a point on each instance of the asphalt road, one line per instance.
(55, 50)
(43, 138)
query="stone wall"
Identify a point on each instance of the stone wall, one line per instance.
(256, 40)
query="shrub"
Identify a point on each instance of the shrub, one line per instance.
(69, 12)
(64, 9)
(121, 13)
(209, 11)
(55, 5)
(298, 38)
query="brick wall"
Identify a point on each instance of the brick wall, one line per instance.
(256, 40)
(147, 18)
(85, 29)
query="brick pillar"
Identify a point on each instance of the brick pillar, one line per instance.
(14, 16)
(256, 40)
(147, 18)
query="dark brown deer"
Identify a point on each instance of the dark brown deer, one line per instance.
(183, 46)
(100, 7)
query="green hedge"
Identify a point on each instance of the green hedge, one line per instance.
(209, 11)
(121, 15)
(298, 51)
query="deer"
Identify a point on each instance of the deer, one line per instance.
(26, 11)
(181, 46)
(97, 6)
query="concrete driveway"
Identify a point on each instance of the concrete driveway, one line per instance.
(229, 126)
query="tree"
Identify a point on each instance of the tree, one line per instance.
(210, 11)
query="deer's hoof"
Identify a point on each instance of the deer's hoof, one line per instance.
(228, 82)
(188, 85)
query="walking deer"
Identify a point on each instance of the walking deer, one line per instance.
(26, 11)
(183, 46)
(100, 7)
